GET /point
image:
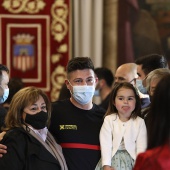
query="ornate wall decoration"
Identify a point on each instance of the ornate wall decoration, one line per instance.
(59, 26)
(34, 44)
(59, 30)
(29, 6)
(57, 78)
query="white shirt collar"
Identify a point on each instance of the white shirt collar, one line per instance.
(42, 132)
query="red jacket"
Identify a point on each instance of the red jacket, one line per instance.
(154, 159)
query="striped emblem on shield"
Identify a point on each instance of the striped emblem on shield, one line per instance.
(23, 53)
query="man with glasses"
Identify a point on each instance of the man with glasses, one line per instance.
(128, 73)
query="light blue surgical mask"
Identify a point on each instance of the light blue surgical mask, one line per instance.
(140, 86)
(5, 96)
(83, 94)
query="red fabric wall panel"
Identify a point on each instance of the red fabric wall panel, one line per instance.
(34, 41)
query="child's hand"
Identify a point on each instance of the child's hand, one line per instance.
(107, 167)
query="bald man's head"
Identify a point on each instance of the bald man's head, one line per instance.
(126, 73)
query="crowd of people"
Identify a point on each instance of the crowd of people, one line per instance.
(128, 130)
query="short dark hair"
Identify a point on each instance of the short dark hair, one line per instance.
(15, 84)
(79, 63)
(106, 74)
(4, 68)
(159, 115)
(112, 108)
(0, 76)
(151, 62)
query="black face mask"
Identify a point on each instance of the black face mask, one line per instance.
(37, 121)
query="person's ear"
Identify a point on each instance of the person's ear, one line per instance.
(96, 81)
(67, 84)
(102, 83)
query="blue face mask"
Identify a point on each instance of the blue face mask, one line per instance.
(140, 86)
(83, 94)
(97, 92)
(5, 96)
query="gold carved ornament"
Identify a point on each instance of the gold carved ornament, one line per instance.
(18, 6)
(59, 29)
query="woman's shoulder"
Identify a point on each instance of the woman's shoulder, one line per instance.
(157, 152)
(15, 134)
(15, 138)
(158, 157)
(14, 130)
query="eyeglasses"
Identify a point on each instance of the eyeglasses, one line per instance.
(131, 80)
(124, 80)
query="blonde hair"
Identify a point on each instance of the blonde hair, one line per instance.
(20, 100)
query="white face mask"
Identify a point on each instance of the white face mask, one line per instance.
(83, 94)
(5, 96)
(140, 86)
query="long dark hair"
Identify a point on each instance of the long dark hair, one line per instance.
(159, 116)
(112, 109)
